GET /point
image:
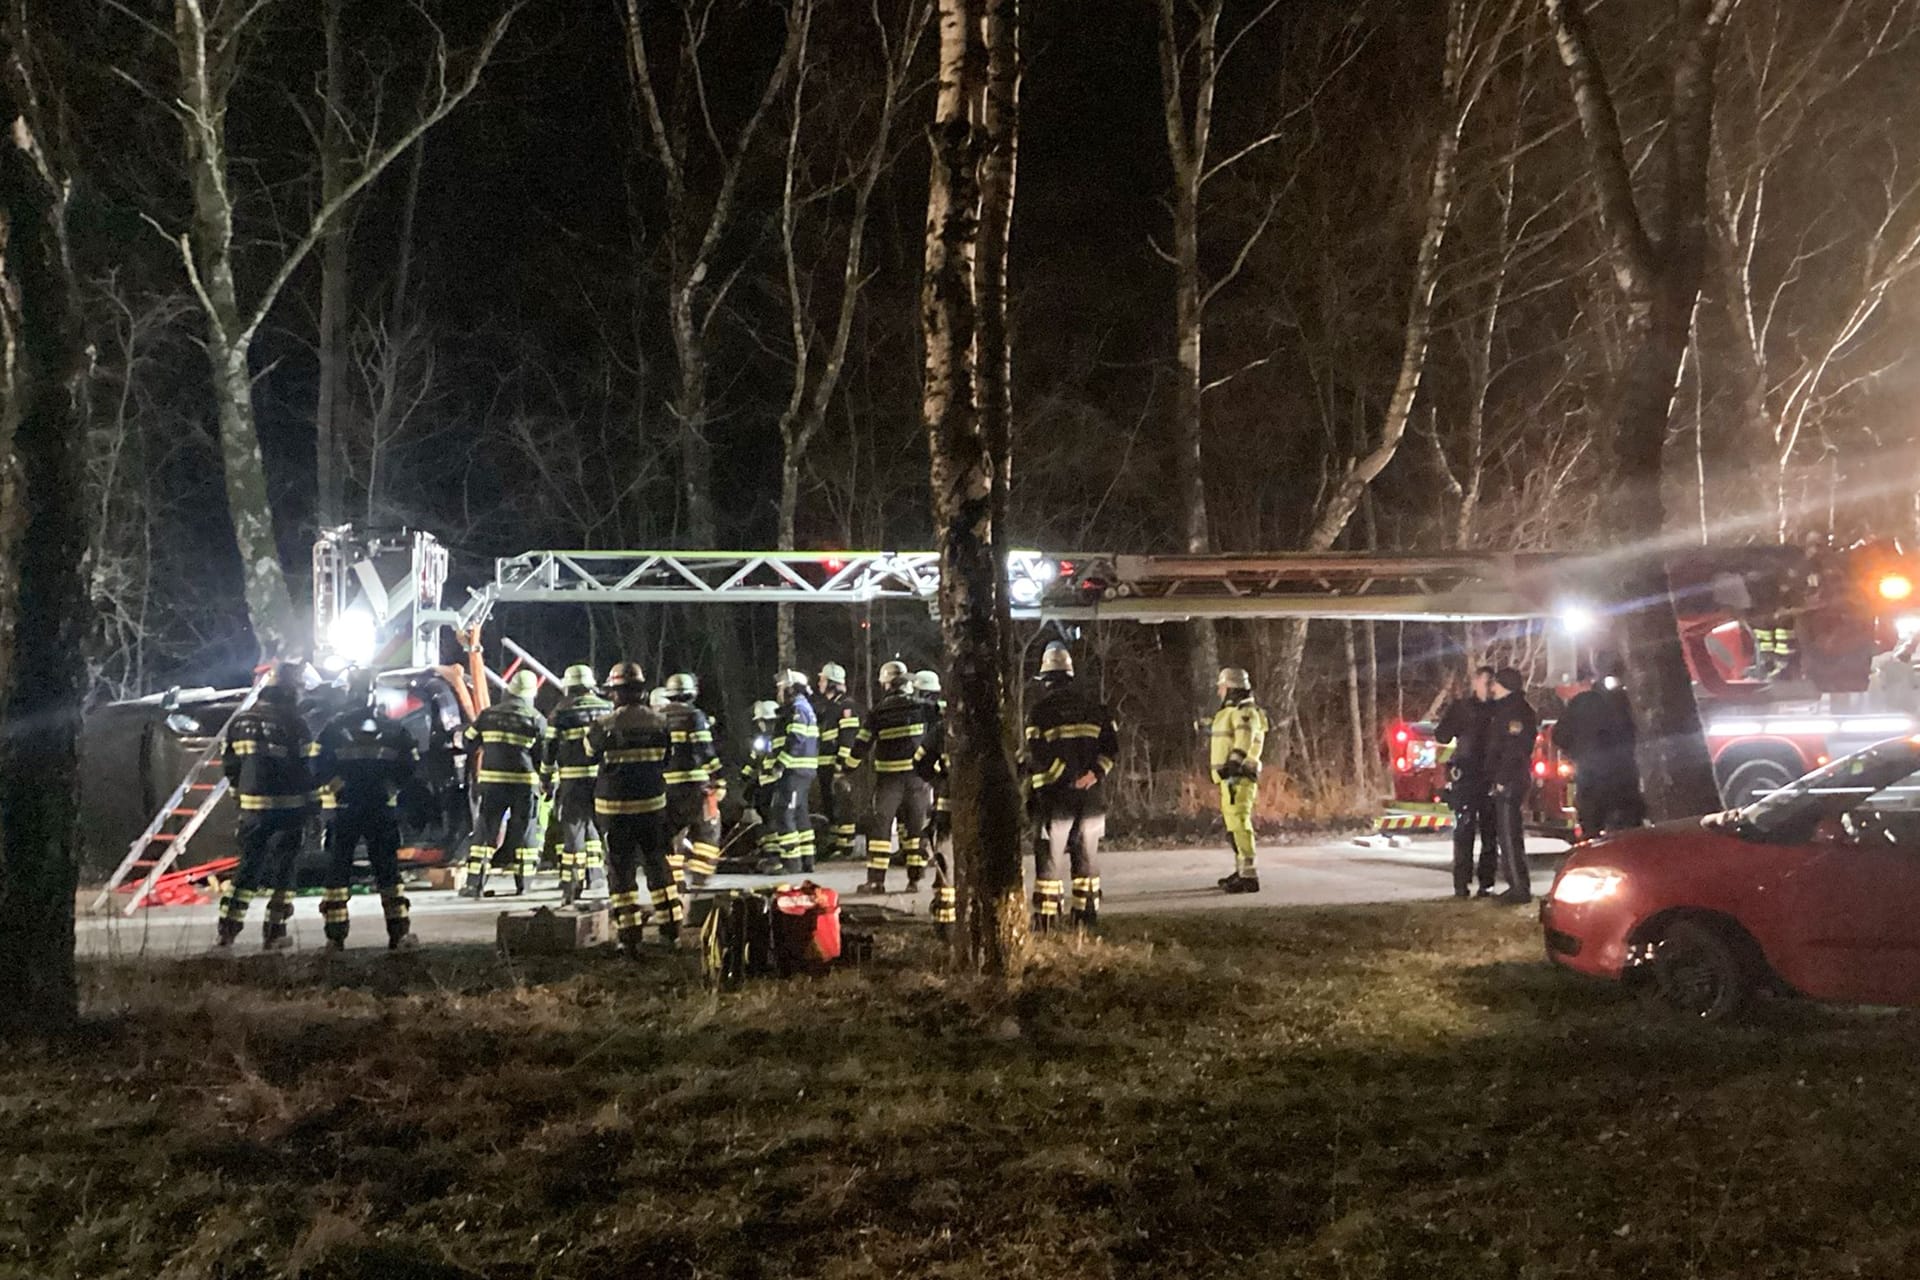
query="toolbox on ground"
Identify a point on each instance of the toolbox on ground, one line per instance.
(546, 932)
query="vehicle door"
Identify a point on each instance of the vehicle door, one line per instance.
(1853, 902)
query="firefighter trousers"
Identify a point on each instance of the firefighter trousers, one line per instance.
(1474, 821)
(1237, 796)
(270, 844)
(637, 845)
(792, 819)
(505, 830)
(581, 848)
(836, 806)
(1071, 825)
(693, 812)
(377, 827)
(903, 800)
(946, 902)
(1510, 826)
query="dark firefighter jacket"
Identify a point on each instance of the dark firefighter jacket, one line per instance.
(1070, 732)
(362, 760)
(631, 747)
(892, 735)
(510, 734)
(839, 717)
(692, 760)
(796, 740)
(567, 757)
(266, 758)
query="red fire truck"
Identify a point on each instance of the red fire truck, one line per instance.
(1782, 643)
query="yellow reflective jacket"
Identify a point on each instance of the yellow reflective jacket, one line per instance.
(1239, 733)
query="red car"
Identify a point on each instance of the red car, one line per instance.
(1812, 890)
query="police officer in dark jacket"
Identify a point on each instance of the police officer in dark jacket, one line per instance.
(266, 762)
(1512, 726)
(1071, 746)
(1465, 724)
(362, 760)
(1597, 734)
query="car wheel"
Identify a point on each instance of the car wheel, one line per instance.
(1752, 780)
(1699, 973)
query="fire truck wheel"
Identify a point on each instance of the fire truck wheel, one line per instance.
(1754, 779)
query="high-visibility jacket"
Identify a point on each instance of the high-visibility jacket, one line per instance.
(892, 735)
(796, 741)
(510, 735)
(567, 756)
(1239, 736)
(692, 759)
(1070, 733)
(361, 761)
(266, 758)
(631, 748)
(762, 766)
(839, 716)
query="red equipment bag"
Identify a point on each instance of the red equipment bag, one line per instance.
(806, 929)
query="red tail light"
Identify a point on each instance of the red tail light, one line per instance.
(1400, 763)
(1539, 768)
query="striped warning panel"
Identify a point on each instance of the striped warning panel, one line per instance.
(1413, 822)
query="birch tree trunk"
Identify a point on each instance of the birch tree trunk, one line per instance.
(329, 435)
(1000, 126)
(43, 552)
(962, 471)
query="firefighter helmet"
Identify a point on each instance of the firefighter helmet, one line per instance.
(832, 674)
(926, 681)
(894, 674)
(658, 699)
(785, 680)
(523, 685)
(578, 676)
(623, 675)
(682, 685)
(765, 710)
(1057, 660)
(1236, 678)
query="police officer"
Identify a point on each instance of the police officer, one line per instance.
(839, 717)
(892, 737)
(570, 774)
(1512, 726)
(693, 812)
(362, 761)
(1238, 737)
(1597, 733)
(632, 746)
(1466, 724)
(1071, 745)
(266, 763)
(931, 765)
(509, 734)
(796, 757)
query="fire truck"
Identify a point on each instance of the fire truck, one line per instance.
(1782, 642)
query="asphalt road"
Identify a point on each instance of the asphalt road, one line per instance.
(1144, 880)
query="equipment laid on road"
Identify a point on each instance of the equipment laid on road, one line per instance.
(546, 932)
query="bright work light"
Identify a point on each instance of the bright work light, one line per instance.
(1895, 586)
(352, 639)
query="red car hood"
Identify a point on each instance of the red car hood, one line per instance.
(1660, 843)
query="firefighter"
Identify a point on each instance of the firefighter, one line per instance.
(1465, 724)
(1238, 737)
(1071, 744)
(693, 809)
(796, 758)
(509, 735)
(892, 736)
(839, 717)
(632, 746)
(758, 772)
(266, 762)
(570, 778)
(931, 765)
(1512, 727)
(1596, 732)
(361, 761)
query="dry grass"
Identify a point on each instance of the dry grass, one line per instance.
(1381, 1092)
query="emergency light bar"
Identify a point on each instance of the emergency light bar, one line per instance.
(1814, 726)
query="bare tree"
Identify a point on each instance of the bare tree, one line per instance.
(210, 41)
(43, 545)
(1657, 268)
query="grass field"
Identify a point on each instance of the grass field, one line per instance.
(1375, 1092)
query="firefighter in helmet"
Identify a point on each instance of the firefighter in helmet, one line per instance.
(693, 810)
(631, 746)
(362, 760)
(266, 761)
(893, 736)
(839, 717)
(570, 776)
(931, 765)
(796, 758)
(1071, 745)
(509, 734)
(758, 773)
(1238, 737)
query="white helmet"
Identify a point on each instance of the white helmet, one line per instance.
(659, 699)
(832, 673)
(785, 680)
(1057, 659)
(578, 676)
(682, 685)
(894, 674)
(1236, 678)
(765, 710)
(926, 681)
(523, 685)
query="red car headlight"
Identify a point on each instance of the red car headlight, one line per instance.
(1582, 885)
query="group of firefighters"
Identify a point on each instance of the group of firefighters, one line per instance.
(635, 784)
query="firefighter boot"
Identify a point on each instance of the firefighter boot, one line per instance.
(476, 885)
(1237, 883)
(670, 934)
(876, 881)
(569, 890)
(519, 884)
(632, 940)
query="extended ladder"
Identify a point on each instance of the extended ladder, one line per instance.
(158, 847)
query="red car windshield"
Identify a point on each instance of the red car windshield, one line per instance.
(1791, 814)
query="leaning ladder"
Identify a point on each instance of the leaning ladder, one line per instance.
(179, 820)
